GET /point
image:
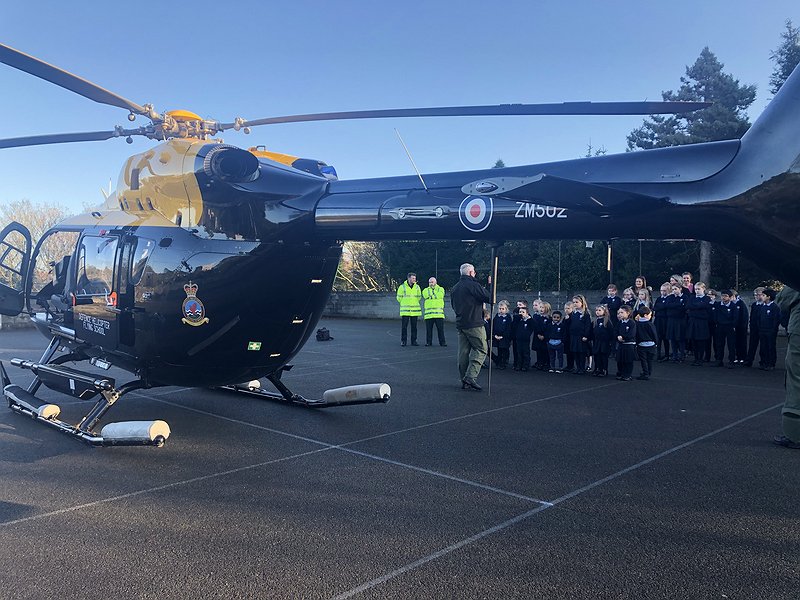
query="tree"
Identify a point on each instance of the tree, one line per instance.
(725, 119)
(704, 82)
(38, 218)
(786, 57)
(499, 164)
(360, 269)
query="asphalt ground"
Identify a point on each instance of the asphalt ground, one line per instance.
(553, 486)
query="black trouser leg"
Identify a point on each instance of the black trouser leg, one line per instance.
(753, 346)
(404, 329)
(440, 331)
(428, 332)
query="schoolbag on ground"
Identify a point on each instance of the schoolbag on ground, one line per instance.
(323, 335)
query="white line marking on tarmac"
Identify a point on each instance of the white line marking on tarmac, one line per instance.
(159, 488)
(519, 518)
(357, 452)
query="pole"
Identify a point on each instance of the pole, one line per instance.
(640, 257)
(608, 264)
(559, 268)
(493, 296)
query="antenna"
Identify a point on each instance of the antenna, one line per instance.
(413, 164)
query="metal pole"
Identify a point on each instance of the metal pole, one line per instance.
(493, 296)
(609, 265)
(737, 271)
(436, 264)
(559, 268)
(640, 257)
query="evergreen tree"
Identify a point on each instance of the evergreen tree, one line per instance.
(704, 82)
(786, 57)
(725, 119)
(499, 164)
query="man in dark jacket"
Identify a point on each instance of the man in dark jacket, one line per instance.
(467, 299)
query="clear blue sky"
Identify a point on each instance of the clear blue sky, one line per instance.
(259, 59)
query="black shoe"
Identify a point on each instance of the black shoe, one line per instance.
(425, 344)
(719, 363)
(524, 369)
(402, 343)
(627, 379)
(697, 363)
(782, 440)
(747, 363)
(414, 344)
(443, 345)
(469, 382)
(643, 378)
(729, 366)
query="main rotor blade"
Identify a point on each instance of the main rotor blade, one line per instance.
(34, 66)
(60, 138)
(565, 108)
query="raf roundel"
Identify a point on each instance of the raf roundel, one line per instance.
(475, 213)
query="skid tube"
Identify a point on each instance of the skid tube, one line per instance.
(130, 433)
(346, 396)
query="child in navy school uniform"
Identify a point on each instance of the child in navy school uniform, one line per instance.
(567, 352)
(515, 319)
(741, 329)
(755, 315)
(603, 336)
(613, 302)
(626, 343)
(698, 310)
(712, 324)
(660, 320)
(580, 329)
(768, 320)
(676, 322)
(522, 334)
(501, 334)
(539, 337)
(646, 341)
(555, 342)
(727, 315)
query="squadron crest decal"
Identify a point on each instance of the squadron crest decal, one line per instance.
(475, 212)
(194, 313)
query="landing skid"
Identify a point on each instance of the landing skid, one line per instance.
(351, 395)
(84, 386)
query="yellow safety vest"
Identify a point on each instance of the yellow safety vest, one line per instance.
(409, 298)
(434, 302)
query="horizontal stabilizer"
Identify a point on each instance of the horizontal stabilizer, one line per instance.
(564, 193)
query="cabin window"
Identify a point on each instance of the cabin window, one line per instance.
(141, 255)
(134, 179)
(96, 265)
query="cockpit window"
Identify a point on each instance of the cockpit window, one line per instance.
(96, 265)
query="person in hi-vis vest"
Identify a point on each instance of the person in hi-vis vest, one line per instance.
(433, 301)
(408, 295)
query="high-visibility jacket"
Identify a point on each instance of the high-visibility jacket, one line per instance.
(433, 299)
(409, 297)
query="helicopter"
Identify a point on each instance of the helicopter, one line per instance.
(170, 281)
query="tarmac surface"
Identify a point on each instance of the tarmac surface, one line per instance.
(553, 486)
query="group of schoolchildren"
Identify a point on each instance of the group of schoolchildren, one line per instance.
(687, 317)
